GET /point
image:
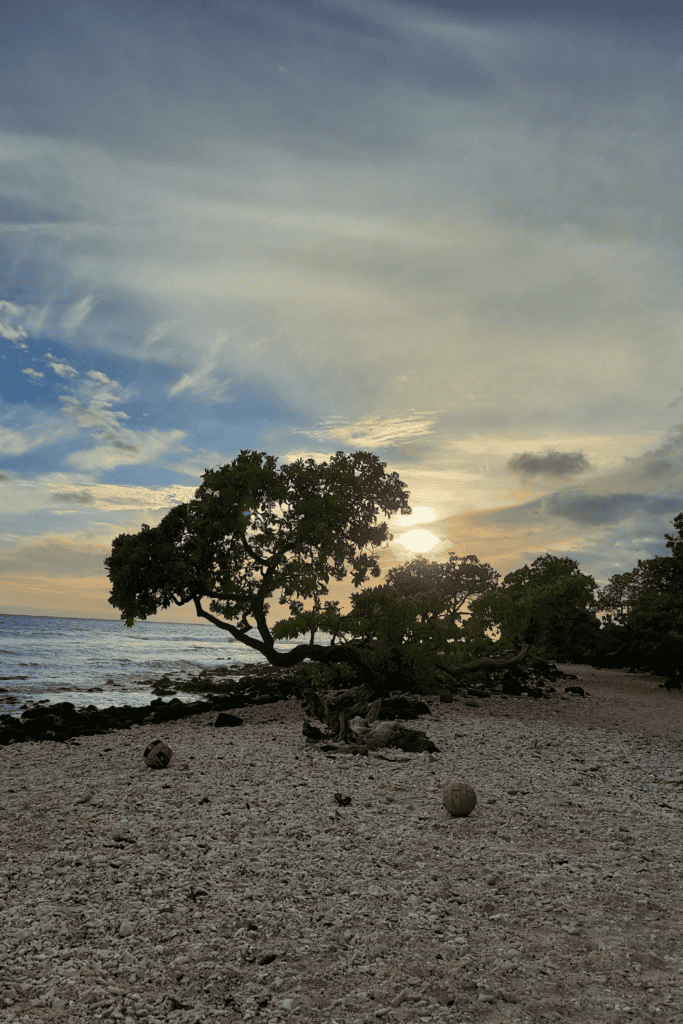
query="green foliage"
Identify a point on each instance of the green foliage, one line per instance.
(449, 585)
(545, 604)
(252, 530)
(647, 605)
(323, 678)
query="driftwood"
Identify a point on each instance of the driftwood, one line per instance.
(352, 725)
(337, 707)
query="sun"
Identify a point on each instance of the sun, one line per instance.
(419, 540)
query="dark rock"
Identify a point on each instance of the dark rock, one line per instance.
(223, 703)
(575, 689)
(412, 742)
(61, 721)
(261, 684)
(32, 713)
(225, 719)
(511, 685)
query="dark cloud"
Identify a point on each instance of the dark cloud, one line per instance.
(73, 497)
(553, 463)
(659, 467)
(586, 509)
(602, 510)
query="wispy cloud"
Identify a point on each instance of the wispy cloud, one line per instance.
(91, 405)
(8, 311)
(196, 464)
(23, 429)
(61, 369)
(54, 556)
(363, 225)
(131, 448)
(44, 491)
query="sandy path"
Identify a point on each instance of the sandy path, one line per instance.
(617, 700)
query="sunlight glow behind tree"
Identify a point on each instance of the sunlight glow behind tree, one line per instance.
(419, 540)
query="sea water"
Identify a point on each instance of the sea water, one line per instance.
(46, 659)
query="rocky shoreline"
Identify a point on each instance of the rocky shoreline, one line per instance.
(224, 688)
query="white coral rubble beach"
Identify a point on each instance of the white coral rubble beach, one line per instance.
(260, 879)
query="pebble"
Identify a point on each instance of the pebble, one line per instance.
(233, 886)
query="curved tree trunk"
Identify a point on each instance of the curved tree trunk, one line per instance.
(441, 664)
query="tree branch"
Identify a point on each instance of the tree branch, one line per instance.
(440, 663)
(339, 654)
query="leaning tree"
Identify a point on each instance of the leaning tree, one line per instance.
(253, 530)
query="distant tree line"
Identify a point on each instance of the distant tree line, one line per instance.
(253, 530)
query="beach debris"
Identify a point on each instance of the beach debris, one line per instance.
(336, 708)
(63, 721)
(311, 733)
(359, 734)
(459, 799)
(377, 736)
(157, 754)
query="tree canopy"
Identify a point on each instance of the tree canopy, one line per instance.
(544, 603)
(648, 603)
(252, 530)
(402, 623)
(409, 607)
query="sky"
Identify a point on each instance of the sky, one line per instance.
(449, 234)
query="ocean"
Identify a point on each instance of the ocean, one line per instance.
(46, 659)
